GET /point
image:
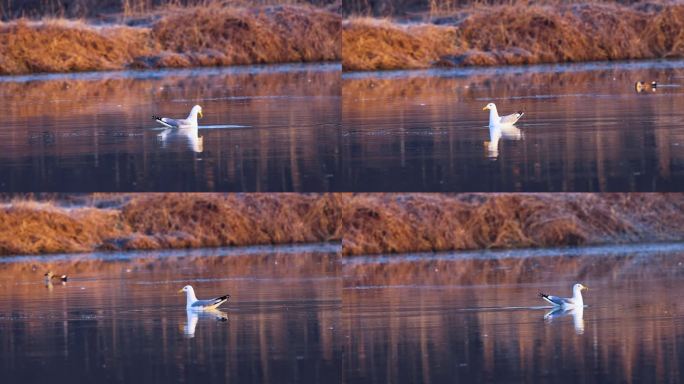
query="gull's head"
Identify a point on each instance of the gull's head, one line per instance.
(197, 110)
(489, 106)
(579, 287)
(186, 289)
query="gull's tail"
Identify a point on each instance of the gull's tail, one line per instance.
(546, 297)
(161, 121)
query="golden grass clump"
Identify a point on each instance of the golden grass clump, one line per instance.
(369, 44)
(156, 221)
(59, 46)
(228, 36)
(179, 221)
(391, 223)
(27, 228)
(211, 35)
(505, 34)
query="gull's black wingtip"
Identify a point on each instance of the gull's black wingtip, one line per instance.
(156, 117)
(543, 295)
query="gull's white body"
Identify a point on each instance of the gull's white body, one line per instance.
(501, 126)
(576, 301)
(499, 121)
(189, 122)
(192, 303)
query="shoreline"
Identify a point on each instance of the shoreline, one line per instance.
(244, 250)
(500, 35)
(180, 37)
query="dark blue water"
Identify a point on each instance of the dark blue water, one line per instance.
(265, 128)
(119, 319)
(585, 128)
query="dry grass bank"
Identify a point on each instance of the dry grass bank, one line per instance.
(156, 221)
(365, 223)
(398, 223)
(179, 37)
(504, 35)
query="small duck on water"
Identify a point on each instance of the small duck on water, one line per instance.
(49, 276)
(641, 86)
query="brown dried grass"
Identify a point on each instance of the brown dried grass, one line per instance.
(60, 46)
(365, 223)
(370, 44)
(27, 228)
(505, 35)
(398, 223)
(182, 37)
(229, 36)
(156, 221)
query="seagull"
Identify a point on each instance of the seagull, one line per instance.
(571, 302)
(496, 120)
(190, 122)
(49, 276)
(201, 305)
(500, 126)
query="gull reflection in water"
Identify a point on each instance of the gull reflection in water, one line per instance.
(496, 133)
(576, 313)
(189, 136)
(195, 315)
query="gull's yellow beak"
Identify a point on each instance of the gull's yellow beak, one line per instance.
(585, 287)
(485, 108)
(180, 290)
(199, 113)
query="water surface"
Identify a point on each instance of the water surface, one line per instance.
(585, 128)
(265, 128)
(119, 318)
(476, 317)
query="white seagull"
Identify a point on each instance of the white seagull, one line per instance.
(201, 305)
(500, 126)
(496, 120)
(189, 122)
(571, 302)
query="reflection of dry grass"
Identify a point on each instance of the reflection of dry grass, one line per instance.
(504, 35)
(171, 221)
(419, 222)
(183, 37)
(510, 270)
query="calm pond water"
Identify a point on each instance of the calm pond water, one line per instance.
(119, 317)
(265, 128)
(302, 314)
(585, 128)
(476, 317)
